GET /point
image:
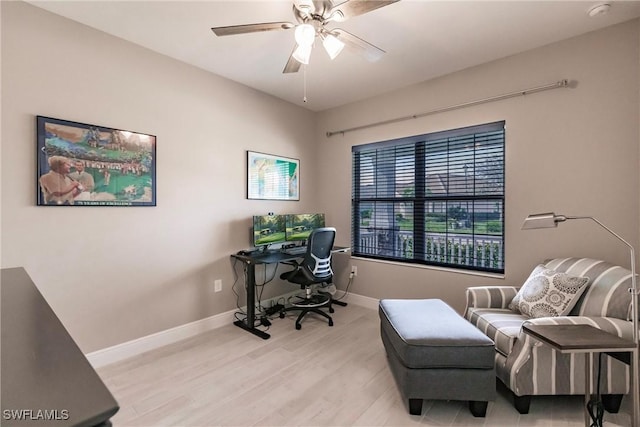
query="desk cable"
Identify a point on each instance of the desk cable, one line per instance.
(233, 288)
(261, 319)
(261, 286)
(346, 291)
(240, 314)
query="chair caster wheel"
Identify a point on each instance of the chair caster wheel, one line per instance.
(282, 314)
(331, 310)
(330, 322)
(298, 326)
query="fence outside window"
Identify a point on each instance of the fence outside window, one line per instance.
(486, 252)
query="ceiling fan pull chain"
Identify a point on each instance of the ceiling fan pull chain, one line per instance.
(304, 83)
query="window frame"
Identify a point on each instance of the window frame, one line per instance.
(487, 250)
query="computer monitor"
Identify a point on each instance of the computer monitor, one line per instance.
(268, 229)
(299, 226)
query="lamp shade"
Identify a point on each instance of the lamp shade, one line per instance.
(543, 220)
(305, 34)
(332, 45)
(302, 54)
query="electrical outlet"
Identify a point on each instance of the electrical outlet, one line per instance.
(217, 285)
(354, 270)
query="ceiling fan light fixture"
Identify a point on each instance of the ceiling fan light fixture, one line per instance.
(302, 54)
(305, 34)
(332, 45)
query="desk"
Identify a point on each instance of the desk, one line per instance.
(46, 379)
(588, 340)
(250, 262)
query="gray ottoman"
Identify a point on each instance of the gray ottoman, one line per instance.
(436, 354)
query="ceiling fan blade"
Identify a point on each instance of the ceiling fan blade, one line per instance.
(351, 8)
(251, 28)
(292, 66)
(371, 52)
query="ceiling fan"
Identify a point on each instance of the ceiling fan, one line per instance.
(312, 17)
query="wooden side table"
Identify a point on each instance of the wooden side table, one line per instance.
(588, 340)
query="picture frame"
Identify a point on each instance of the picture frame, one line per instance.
(80, 164)
(271, 177)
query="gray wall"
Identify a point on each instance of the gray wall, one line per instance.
(116, 274)
(572, 151)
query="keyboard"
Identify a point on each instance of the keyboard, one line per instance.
(296, 250)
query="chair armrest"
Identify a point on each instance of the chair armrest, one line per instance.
(289, 274)
(490, 296)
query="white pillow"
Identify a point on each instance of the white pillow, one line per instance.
(548, 293)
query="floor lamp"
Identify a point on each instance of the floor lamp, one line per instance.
(551, 220)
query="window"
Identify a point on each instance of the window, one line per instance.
(434, 199)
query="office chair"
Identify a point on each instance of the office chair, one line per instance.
(314, 268)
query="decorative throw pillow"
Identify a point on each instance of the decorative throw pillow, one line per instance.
(515, 302)
(548, 293)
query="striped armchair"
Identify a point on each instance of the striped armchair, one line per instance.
(605, 304)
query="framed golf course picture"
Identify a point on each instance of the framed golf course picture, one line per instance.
(81, 164)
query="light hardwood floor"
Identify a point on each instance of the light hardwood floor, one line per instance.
(317, 376)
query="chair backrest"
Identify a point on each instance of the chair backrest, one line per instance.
(316, 264)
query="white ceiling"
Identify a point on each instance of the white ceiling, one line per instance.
(423, 39)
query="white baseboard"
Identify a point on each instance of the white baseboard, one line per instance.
(128, 349)
(361, 300)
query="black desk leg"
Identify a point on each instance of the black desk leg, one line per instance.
(248, 323)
